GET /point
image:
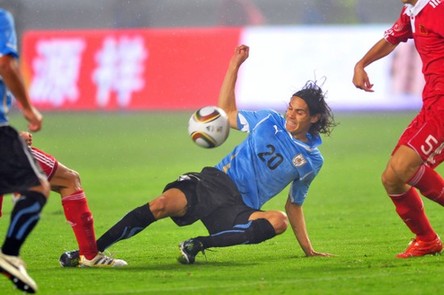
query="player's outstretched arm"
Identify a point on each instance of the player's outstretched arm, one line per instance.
(297, 220)
(360, 78)
(227, 97)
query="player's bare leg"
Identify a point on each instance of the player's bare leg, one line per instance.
(402, 166)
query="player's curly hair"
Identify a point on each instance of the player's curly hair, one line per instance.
(314, 97)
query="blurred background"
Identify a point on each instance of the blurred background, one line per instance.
(64, 14)
(177, 50)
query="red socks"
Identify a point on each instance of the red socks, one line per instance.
(429, 183)
(410, 208)
(79, 216)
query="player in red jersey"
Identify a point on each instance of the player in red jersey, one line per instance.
(419, 149)
(66, 182)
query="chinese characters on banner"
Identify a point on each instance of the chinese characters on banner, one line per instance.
(119, 70)
(126, 69)
(56, 71)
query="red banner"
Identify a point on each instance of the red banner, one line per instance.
(152, 69)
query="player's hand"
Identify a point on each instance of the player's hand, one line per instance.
(316, 253)
(241, 53)
(34, 118)
(27, 137)
(361, 80)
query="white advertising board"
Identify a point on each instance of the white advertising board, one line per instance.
(282, 59)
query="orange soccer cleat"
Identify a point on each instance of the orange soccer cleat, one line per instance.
(420, 248)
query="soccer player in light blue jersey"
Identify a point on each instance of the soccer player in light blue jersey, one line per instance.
(18, 170)
(228, 198)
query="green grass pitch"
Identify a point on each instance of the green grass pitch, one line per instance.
(125, 159)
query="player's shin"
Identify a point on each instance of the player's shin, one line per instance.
(410, 208)
(79, 216)
(24, 217)
(130, 225)
(253, 232)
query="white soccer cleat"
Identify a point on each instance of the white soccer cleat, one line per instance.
(14, 269)
(101, 260)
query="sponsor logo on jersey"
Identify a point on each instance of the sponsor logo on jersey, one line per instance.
(423, 30)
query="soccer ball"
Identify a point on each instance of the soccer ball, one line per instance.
(208, 127)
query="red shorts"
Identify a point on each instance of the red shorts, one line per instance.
(425, 135)
(46, 161)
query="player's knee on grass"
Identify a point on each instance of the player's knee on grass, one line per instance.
(278, 220)
(281, 224)
(260, 230)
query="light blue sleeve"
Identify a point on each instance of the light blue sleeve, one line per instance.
(247, 120)
(8, 37)
(299, 189)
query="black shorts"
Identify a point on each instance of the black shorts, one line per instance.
(212, 198)
(18, 169)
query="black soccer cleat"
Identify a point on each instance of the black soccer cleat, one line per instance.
(188, 251)
(70, 259)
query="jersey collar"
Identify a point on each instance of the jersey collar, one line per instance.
(413, 10)
(313, 141)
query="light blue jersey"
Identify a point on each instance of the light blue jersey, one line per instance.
(8, 45)
(270, 158)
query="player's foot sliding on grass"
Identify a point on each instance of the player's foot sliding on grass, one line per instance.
(66, 182)
(420, 148)
(279, 150)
